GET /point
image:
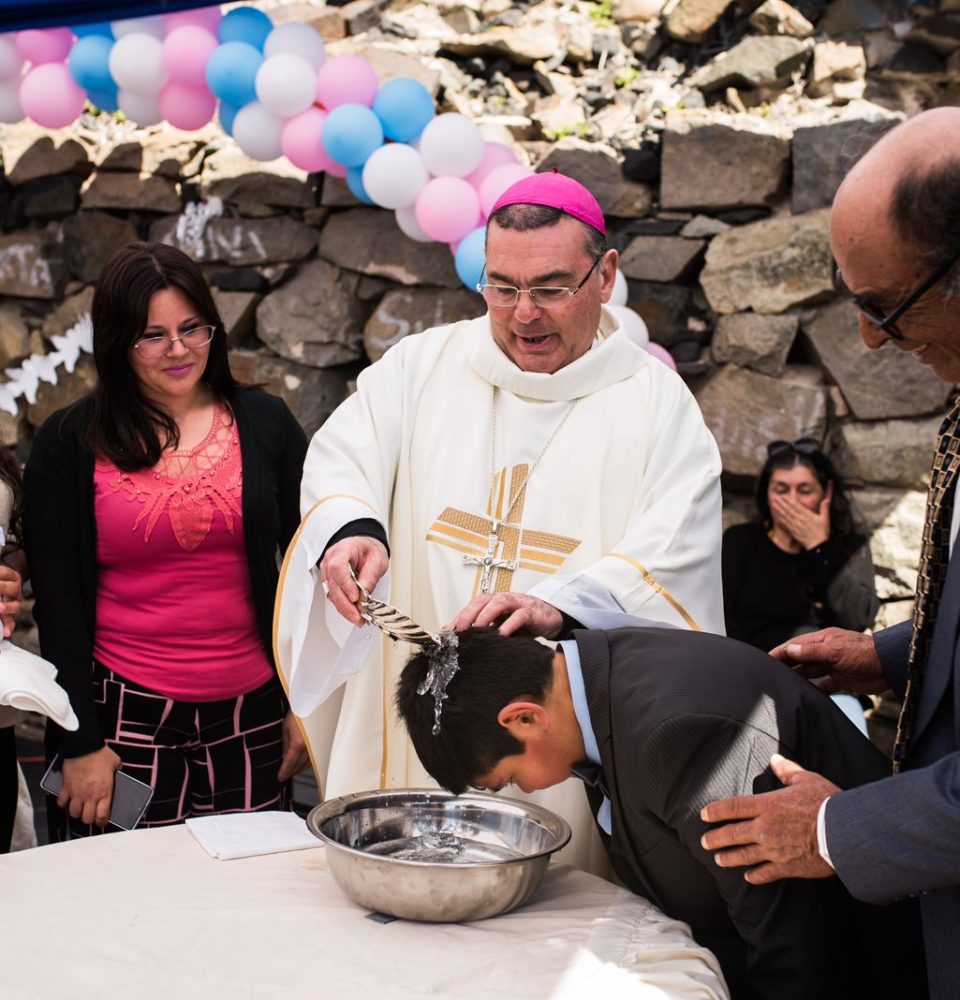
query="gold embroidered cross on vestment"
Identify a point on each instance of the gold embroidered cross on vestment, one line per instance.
(496, 544)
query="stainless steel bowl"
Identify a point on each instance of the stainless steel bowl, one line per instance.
(424, 854)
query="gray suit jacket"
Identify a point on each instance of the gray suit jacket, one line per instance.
(901, 836)
(683, 718)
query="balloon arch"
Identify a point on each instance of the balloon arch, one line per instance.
(277, 93)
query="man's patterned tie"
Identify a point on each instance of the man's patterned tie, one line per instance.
(934, 559)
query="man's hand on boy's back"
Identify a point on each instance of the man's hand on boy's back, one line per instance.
(837, 659)
(774, 833)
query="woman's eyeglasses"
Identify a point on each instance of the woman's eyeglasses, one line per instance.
(156, 345)
(803, 446)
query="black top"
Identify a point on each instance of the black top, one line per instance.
(60, 537)
(770, 595)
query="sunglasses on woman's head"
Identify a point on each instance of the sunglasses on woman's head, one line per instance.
(803, 445)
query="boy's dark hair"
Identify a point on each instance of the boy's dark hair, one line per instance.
(495, 670)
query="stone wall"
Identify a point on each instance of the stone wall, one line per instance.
(715, 170)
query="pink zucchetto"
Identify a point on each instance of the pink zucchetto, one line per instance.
(555, 190)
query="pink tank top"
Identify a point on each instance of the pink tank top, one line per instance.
(174, 605)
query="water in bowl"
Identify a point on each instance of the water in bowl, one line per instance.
(442, 847)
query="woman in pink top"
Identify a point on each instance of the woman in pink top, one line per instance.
(156, 508)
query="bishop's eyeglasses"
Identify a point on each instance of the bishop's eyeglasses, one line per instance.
(542, 296)
(156, 345)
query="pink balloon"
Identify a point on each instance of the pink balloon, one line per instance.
(186, 52)
(186, 107)
(346, 80)
(208, 18)
(495, 154)
(50, 96)
(447, 209)
(661, 354)
(497, 181)
(302, 142)
(44, 45)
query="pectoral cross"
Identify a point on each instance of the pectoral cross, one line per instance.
(494, 547)
(488, 561)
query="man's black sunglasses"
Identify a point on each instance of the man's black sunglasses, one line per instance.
(887, 322)
(804, 446)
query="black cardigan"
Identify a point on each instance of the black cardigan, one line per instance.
(61, 542)
(770, 595)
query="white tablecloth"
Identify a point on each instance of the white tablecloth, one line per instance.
(149, 915)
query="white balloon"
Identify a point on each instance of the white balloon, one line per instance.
(451, 145)
(136, 63)
(286, 85)
(394, 175)
(257, 132)
(11, 62)
(10, 110)
(297, 40)
(139, 26)
(631, 324)
(620, 293)
(407, 221)
(143, 109)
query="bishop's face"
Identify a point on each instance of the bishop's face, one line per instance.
(540, 338)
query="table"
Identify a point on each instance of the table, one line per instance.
(149, 914)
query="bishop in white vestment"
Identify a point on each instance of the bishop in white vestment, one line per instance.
(594, 488)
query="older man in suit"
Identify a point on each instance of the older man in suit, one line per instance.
(658, 722)
(895, 232)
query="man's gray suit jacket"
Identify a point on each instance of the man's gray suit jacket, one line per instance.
(901, 836)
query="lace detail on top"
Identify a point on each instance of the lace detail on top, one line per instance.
(189, 485)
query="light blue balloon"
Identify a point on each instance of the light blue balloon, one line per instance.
(101, 28)
(226, 114)
(105, 100)
(89, 63)
(404, 107)
(355, 183)
(245, 24)
(351, 133)
(232, 72)
(469, 258)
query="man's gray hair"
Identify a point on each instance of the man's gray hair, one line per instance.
(925, 211)
(524, 217)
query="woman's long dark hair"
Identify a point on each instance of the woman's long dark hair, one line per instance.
(842, 524)
(121, 424)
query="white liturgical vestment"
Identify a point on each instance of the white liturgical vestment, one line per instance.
(604, 477)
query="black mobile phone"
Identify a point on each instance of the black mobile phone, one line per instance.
(130, 796)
